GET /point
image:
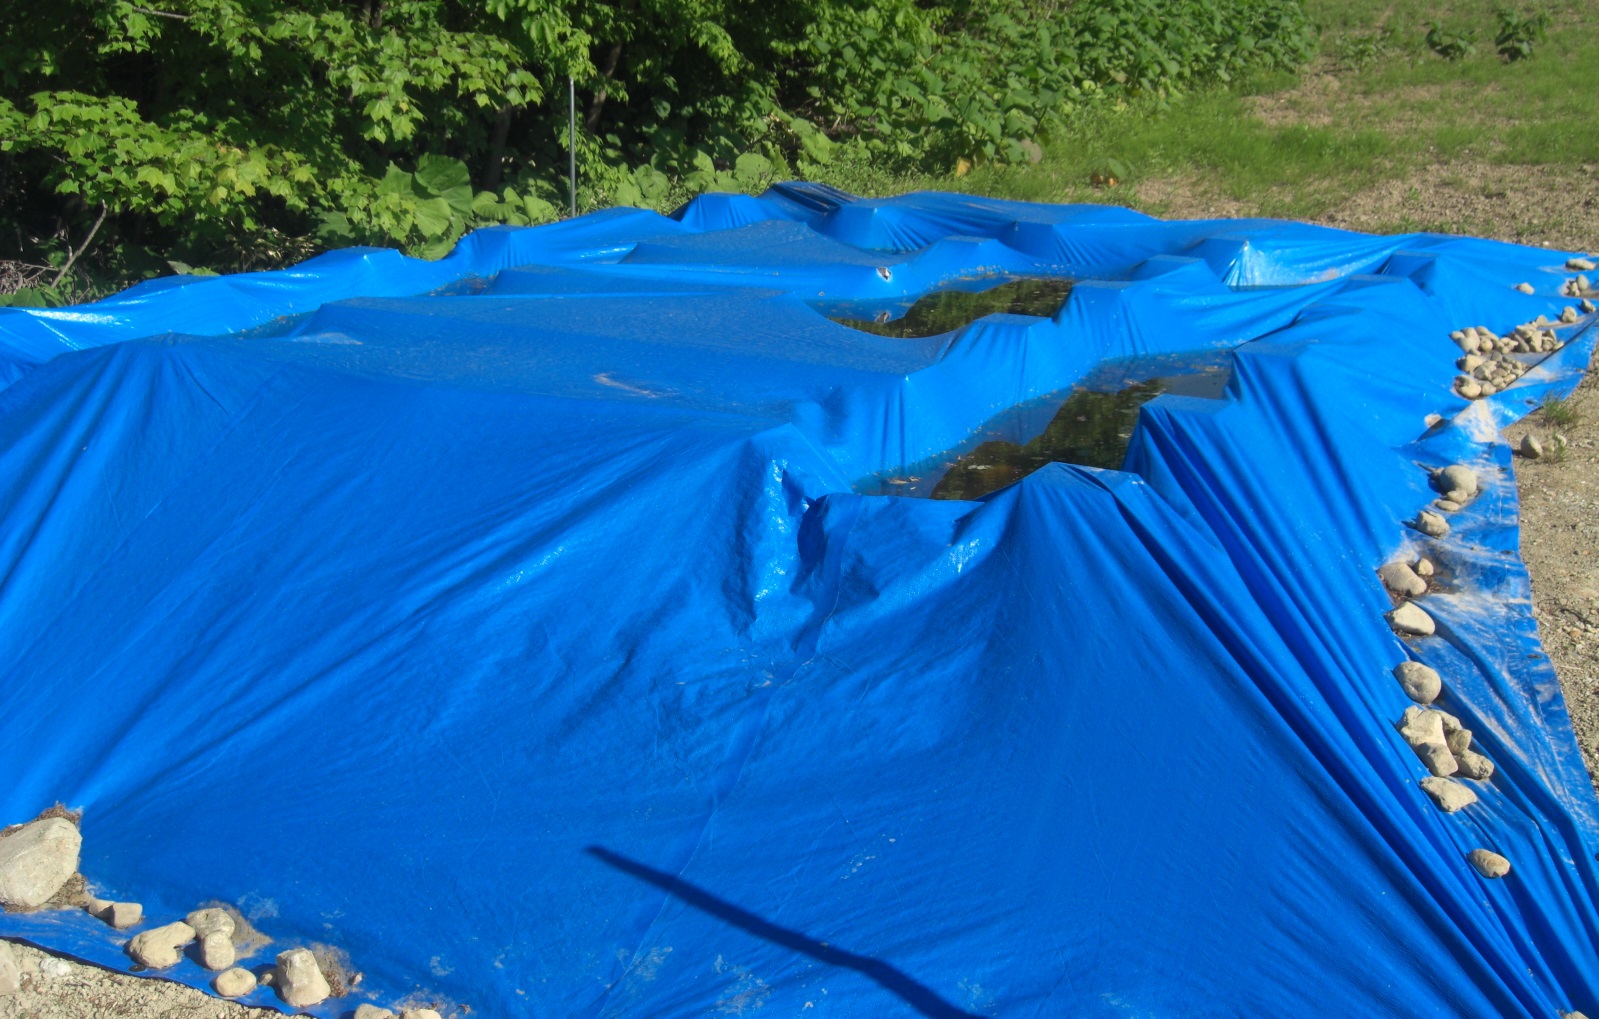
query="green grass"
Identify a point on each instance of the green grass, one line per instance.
(1377, 105)
(1559, 412)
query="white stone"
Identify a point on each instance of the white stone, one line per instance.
(210, 921)
(1488, 864)
(1587, 306)
(1431, 524)
(160, 947)
(1525, 288)
(372, 1012)
(1424, 567)
(1569, 315)
(1421, 684)
(1469, 362)
(1580, 264)
(1411, 620)
(1531, 448)
(420, 1013)
(300, 982)
(36, 860)
(10, 972)
(1402, 580)
(1424, 731)
(50, 966)
(1456, 735)
(120, 915)
(1472, 765)
(1449, 795)
(216, 951)
(234, 983)
(1446, 505)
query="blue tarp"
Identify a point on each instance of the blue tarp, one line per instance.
(515, 623)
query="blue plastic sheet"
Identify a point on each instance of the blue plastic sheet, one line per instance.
(514, 623)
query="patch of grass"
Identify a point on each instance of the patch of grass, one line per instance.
(1559, 412)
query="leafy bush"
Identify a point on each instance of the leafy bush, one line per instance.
(234, 134)
(1449, 43)
(1518, 35)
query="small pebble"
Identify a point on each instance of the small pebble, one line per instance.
(1569, 315)
(1446, 505)
(1469, 362)
(1411, 620)
(372, 1012)
(1424, 567)
(1468, 388)
(1431, 524)
(1580, 265)
(160, 947)
(1525, 288)
(53, 967)
(1488, 864)
(1431, 420)
(235, 983)
(1448, 794)
(1421, 684)
(299, 981)
(1586, 305)
(1531, 448)
(420, 1013)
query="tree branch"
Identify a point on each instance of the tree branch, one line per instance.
(85, 247)
(592, 121)
(162, 14)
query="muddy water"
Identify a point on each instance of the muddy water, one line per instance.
(960, 303)
(1091, 425)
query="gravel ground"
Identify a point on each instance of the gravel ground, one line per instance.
(58, 988)
(1560, 544)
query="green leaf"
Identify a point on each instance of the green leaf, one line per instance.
(439, 174)
(751, 167)
(433, 217)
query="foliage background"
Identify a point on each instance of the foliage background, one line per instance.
(222, 135)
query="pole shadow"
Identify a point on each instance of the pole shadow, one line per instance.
(918, 996)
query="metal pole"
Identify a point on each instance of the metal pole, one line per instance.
(571, 135)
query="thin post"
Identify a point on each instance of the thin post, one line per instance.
(571, 135)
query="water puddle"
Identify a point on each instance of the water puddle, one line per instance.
(958, 303)
(1089, 424)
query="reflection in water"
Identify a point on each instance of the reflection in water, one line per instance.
(956, 305)
(1091, 425)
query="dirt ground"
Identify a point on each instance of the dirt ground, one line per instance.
(1560, 545)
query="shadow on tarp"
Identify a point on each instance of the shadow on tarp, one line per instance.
(891, 979)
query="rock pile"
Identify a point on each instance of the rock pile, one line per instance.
(1489, 362)
(38, 869)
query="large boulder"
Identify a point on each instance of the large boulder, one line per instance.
(36, 860)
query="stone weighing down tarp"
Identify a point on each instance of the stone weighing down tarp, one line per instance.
(513, 624)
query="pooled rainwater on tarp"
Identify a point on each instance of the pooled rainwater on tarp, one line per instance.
(530, 641)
